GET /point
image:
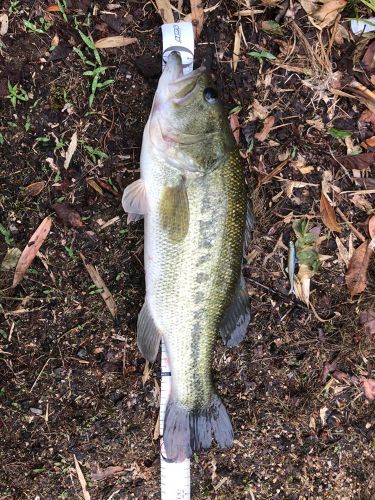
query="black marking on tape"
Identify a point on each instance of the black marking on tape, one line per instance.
(166, 374)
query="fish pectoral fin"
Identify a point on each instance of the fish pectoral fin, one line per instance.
(174, 211)
(233, 326)
(148, 335)
(134, 200)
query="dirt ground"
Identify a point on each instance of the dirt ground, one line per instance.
(72, 380)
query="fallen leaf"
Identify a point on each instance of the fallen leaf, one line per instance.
(4, 24)
(258, 111)
(371, 227)
(101, 474)
(95, 186)
(197, 16)
(35, 188)
(82, 480)
(357, 162)
(235, 126)
(31, 249)
(323, 415)
(236, 47)
(368, 386)
(370, 142)
(10, 260)
(360, 202)
(356, 276)
(114, 41)
(71, 150)
(98, 281)
(324, 13)
(367, 320)
(317, 124)
(300, 165)
(267, 125)
(344, 255)
(165, 11)
(53, 8)
(271, 28)
(327, 369)
(367, 116)
(68, 215)
(328, 214)
(368, 59)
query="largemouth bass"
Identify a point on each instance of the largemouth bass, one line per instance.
(192, 195)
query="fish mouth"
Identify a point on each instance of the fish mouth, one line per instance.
(184, 86)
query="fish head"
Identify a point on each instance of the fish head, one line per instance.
(187, 120)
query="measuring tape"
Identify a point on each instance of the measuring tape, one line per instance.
(175, 477)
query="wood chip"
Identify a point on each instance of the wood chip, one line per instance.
(82, 480)
(71, 150)
(114, 41)
(31, 249)
(4, 24)
(165, 11)
(95, 186)
(99, 283)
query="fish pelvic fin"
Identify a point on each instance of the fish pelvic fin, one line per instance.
(233, 326)
(148, 335)
(134, 200)
(188, 431)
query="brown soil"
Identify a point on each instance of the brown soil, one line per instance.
(71, 376)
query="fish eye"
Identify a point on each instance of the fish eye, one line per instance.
(210, 95)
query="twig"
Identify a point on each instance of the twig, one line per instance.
(351, 226)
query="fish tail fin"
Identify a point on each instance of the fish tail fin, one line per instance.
(187, 431)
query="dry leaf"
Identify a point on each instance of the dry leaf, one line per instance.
(10, 260)
(370, 142)
(367, 320)
(368, 386)
(235, 126)
(257, 111)
(53, 8)
(165, 11)
(114, 41)
(31, 249)
(236, 47)
(300, 165)
(302, 283)
(4, 24)
(68, 215)
(101, 474)
(318, 124)
(371, 227)
(98, 281)
(328, 214)
(82, 480)
(356, 276)
(368, 60)
(360, 202)
(95, 186)
(35, 188)
(71, 150)
(344, 255)
(368, 116)
(324, 13)
(357, 162)
(197, 16)
(267, 125)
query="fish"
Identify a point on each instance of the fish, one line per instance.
(292, 260)
(197, 222)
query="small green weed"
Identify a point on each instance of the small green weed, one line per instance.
(14, 4)
(42, 27)
(339, 134)
(262, 55)
(16, 93)
(94, 153)
(7, 235)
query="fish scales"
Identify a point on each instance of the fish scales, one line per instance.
(192, 195)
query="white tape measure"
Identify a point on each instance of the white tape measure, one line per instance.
(175, 477)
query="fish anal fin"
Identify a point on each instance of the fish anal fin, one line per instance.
(134, 200)
(174, 211)
(233, 326)
(148, 335)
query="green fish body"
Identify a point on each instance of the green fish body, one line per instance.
(192, 195)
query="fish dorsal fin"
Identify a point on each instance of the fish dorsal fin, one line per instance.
(134, 200)
(233, 326)
(174, 211)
